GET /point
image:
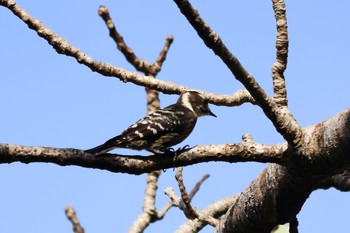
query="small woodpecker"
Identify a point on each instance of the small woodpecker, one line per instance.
(161, 129)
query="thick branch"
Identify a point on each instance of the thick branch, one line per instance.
(274, 197)
(338, 181)
(280, 65)
(284, 123)
(142, 164)
(278, 193)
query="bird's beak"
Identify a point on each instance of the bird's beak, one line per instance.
(211, 113)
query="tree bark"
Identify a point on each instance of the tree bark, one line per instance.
(277, 195)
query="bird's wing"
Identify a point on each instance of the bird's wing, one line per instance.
(159, 123)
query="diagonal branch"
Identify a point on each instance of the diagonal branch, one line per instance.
(72, 217)
(62, 46)
(215, 210)
(284, 123)
(189, 211)
(140, 65)
(280, 65)
(144, 164)
(193, 192)
(177, 201)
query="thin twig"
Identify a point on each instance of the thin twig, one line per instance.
(197, 186)
(190, 212)
(188, 209)
(215, 210)
(193, 192)
(201, 217)
(280, 65)
(72, 217)
(139, 64)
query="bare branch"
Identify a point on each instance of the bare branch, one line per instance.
(197, 186)
(62, 46)
(191, 195)
(149, 212)
(280, 65)
(215, 210)
(162, 55)
(143, 164)
(188, 209)
(177, 201)
(72, 217)
(139, 64)
(283, 121)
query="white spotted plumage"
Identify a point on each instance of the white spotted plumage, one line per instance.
(161, 129)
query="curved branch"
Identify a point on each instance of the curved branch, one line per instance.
(273, 198)
(62, 46)
(280, 65)
(283, 121)
(144, 164)
(278, 193)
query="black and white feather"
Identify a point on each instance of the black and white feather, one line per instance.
(161, 129)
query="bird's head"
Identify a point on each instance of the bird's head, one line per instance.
(196, 102)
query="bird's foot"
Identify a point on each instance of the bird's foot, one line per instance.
(172, 152)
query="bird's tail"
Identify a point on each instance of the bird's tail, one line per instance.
(105, 147)
(101, 149)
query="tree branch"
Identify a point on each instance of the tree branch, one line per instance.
(72, 217)
(140, 65)
(273, 198)
(278, 193)
(177, 201)
(197, 186)
(143, 164)
(189, 211)
(214, 210)
(338, 181)
(62, 46)
(193, 192)
(280, 65)
(149, 213)
(283, 121)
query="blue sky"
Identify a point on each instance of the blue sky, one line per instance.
(51, 100)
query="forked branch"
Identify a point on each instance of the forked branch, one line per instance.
(62, 46)
(283, 121)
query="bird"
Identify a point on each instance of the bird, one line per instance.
(161, 129)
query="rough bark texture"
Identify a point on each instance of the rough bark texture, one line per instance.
(278, 193)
